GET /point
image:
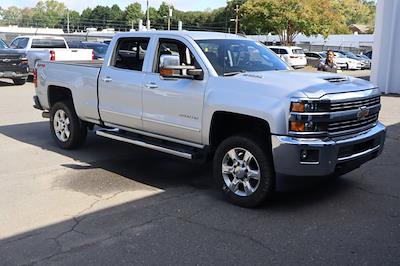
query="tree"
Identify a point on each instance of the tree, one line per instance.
(12, 15)
(48, 13)
(133, 13)
(288, 18)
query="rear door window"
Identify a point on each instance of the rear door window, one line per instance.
(283, 51)
(48, 43)
(130, 53)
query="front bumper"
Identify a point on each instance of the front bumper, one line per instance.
(330, 156)
(13, 75)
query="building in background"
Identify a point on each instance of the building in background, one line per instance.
(386, 53)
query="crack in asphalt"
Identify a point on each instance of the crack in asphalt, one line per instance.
(377, 193)
(233, 233)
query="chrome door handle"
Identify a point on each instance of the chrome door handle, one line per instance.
(107, 79)
(151, 85)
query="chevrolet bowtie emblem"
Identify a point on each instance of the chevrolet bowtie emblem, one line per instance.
(363, 112)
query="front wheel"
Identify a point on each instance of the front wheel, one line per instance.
(67, 129)
(243, 169)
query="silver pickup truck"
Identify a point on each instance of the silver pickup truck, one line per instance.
(201, 95)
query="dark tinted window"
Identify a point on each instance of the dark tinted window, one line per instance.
(231, 56)
(48, 43)
(283, 51)
(130, 53)
(276, 50)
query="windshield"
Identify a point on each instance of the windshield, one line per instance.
(3, 45)
(234, 56)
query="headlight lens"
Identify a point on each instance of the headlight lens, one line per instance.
(309, 106)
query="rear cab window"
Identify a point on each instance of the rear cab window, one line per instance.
(48, 43)
(130, 53)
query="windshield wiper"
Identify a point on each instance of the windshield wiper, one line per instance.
(233, 73)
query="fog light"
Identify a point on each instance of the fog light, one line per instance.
(309, 156)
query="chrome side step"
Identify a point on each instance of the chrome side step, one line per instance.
(142, 143)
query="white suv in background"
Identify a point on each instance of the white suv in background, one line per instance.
(294, 56)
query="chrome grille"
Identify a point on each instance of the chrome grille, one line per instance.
(352, 126)
(349, 105)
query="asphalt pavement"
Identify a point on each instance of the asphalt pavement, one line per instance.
(110, 203)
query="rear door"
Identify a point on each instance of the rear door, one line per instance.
(120, 83)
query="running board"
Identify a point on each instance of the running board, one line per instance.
(138, 140)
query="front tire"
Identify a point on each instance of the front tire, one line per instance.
(67, 129)
(243, 169)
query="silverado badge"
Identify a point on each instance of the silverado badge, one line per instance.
(363, 112)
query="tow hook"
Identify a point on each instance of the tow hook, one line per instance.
(46, 114)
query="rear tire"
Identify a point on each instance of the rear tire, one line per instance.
(248, 179)
(19, 81)
(67, 129)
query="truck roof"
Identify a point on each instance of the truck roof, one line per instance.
(195, 35)
(41, 37)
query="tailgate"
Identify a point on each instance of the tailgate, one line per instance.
(73, 54)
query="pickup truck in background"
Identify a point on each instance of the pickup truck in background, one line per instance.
(13, 64)
(48, 48)
(201, 95)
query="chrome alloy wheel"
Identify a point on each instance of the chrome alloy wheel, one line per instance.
(241, 172)
(61, 125)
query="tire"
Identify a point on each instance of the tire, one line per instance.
(67, 129)
(235, 182)
(19, 81)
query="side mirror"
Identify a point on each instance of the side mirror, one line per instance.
(170, 67)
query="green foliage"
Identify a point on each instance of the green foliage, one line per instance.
(284, 17)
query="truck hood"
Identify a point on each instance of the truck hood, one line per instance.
(311, 84)
(10, 51)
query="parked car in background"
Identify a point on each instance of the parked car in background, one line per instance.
(344, 62)
(294, 56)
(13, 64)
(351, 55)
(48, 48)
(314, 58)
(367, 62)
(99, 49)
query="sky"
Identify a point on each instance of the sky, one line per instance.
(79, 5)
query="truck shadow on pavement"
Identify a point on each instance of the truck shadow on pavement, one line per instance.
(189, 216)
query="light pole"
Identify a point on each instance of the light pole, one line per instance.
(148, 16)
(169, 17)
(237, 19)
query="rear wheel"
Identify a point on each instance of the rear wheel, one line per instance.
(243, 169)
(67, 129)
(19, 81)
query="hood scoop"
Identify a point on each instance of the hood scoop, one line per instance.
(336, 79)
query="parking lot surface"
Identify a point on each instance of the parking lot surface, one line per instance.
(112, 203)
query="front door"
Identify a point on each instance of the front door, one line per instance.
(120, 84)
(173, 107)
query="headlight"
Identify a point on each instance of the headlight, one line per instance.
(301, 126)
(308, 106)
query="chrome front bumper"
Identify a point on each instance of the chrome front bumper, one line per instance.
(328, 156)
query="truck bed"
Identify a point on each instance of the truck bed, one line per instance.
(85, 63)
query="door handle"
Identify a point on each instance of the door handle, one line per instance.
(151, 85)
(106, 79)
